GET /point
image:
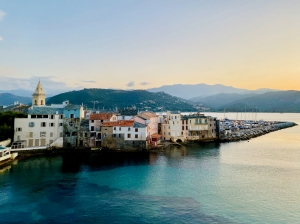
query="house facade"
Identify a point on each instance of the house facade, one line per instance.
(73, 114)
(124, 134)
(42, 127)
(171, 127)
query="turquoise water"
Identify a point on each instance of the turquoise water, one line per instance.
(242, 182)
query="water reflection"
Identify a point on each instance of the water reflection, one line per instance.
(102, 161)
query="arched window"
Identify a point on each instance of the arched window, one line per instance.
(35, 103)
(42, 102)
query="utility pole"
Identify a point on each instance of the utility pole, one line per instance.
(94, 103)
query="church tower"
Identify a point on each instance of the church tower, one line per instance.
(39, 96)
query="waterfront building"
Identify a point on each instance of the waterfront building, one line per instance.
(201, 127)
(95, 122)
(123, 134)
(171, 127)
(73, 115)
(42, 127)
(150, 120)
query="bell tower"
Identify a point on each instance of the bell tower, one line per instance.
(39, 96)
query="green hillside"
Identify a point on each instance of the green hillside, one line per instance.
(112, 99)
(282, 101)
(220, 100)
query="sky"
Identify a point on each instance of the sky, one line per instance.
(128, 44)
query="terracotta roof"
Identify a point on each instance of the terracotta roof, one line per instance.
(121, 123)
(102, 116)
(147, 115)
(155, 135)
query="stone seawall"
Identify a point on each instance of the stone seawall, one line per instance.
(255, 132)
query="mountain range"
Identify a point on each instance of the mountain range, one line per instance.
(8, 99)
(278, 101)
(112, 99)
(198, 91)
(232, 99)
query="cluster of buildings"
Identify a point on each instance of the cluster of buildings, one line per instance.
(67, 125)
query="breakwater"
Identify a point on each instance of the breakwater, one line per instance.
(247, 134)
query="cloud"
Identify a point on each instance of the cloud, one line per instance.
(2, 14)
(144, 83)
(130, 84)
(88, 81)
(29, 84)
(1, 38)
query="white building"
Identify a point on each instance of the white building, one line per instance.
(43, 125)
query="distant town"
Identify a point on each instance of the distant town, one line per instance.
(68, 126)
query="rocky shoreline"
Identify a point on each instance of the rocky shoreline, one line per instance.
(255, 132)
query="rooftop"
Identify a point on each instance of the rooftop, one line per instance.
(102, 116)
(121, 123)
(73, 107)
(45, 110)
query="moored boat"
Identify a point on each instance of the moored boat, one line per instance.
(6, 156)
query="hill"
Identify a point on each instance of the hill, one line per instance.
(191, 91)
(8, 99)
(112, 99)
(222, 99)
(281, 101)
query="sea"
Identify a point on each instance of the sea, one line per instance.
(255, 181)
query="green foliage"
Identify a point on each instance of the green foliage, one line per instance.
(112, 99)
(7, 124)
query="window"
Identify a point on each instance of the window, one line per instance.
(30, 134)
(45, 116)
(51, 124)
(51, 134)
(136, 130)
(92, 128)
(39, 116)
(42, 102)
(31, 124)
(61, 116)
(128, 129)
(60, 134)
(92, 121)
(74, 133)
(128, 135)
(119, 128)
(136, 135)
(67, 134)
(43, 134)
(120, 136)
(71, 124)
(114, 135)
(115, 128)
(60, 124)
(51, 116)
(71, 115)
(33, 116)
(182, 127)
(85, 135)
(43, 124)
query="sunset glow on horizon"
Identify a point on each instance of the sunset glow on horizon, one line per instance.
(146, 44)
